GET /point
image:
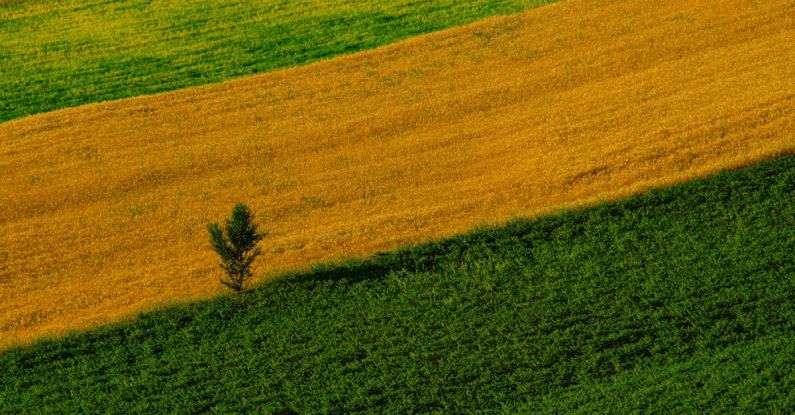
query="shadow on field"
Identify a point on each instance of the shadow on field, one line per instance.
(351, 272)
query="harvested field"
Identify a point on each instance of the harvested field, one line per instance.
(103, 209)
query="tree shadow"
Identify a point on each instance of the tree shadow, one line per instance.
(349, 271)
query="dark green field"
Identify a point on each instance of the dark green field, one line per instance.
(57, 54)
(681, 300)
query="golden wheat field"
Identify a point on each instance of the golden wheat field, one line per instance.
(103, 208)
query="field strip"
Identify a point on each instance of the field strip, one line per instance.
(103, 208)
(65, 53)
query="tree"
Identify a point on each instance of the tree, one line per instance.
(236, 244)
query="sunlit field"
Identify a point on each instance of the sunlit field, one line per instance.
(62, 53)
(103, 208)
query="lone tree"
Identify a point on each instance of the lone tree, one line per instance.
(236, 244)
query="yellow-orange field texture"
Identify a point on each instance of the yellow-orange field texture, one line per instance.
(103, 208)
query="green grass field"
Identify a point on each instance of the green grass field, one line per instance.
(680, 300)
(57, 54)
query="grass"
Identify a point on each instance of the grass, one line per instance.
(57, 54)
(680, 300)
(516, 115)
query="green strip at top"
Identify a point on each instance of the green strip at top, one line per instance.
(58, 54)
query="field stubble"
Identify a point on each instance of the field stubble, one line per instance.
(104, 210)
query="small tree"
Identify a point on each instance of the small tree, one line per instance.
(236, 244)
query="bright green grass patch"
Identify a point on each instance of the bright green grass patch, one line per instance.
(57, 54)
(681, 300)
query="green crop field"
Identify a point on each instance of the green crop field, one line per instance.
(57, 54)
(680, 300)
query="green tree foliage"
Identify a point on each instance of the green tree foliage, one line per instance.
(236, 244)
